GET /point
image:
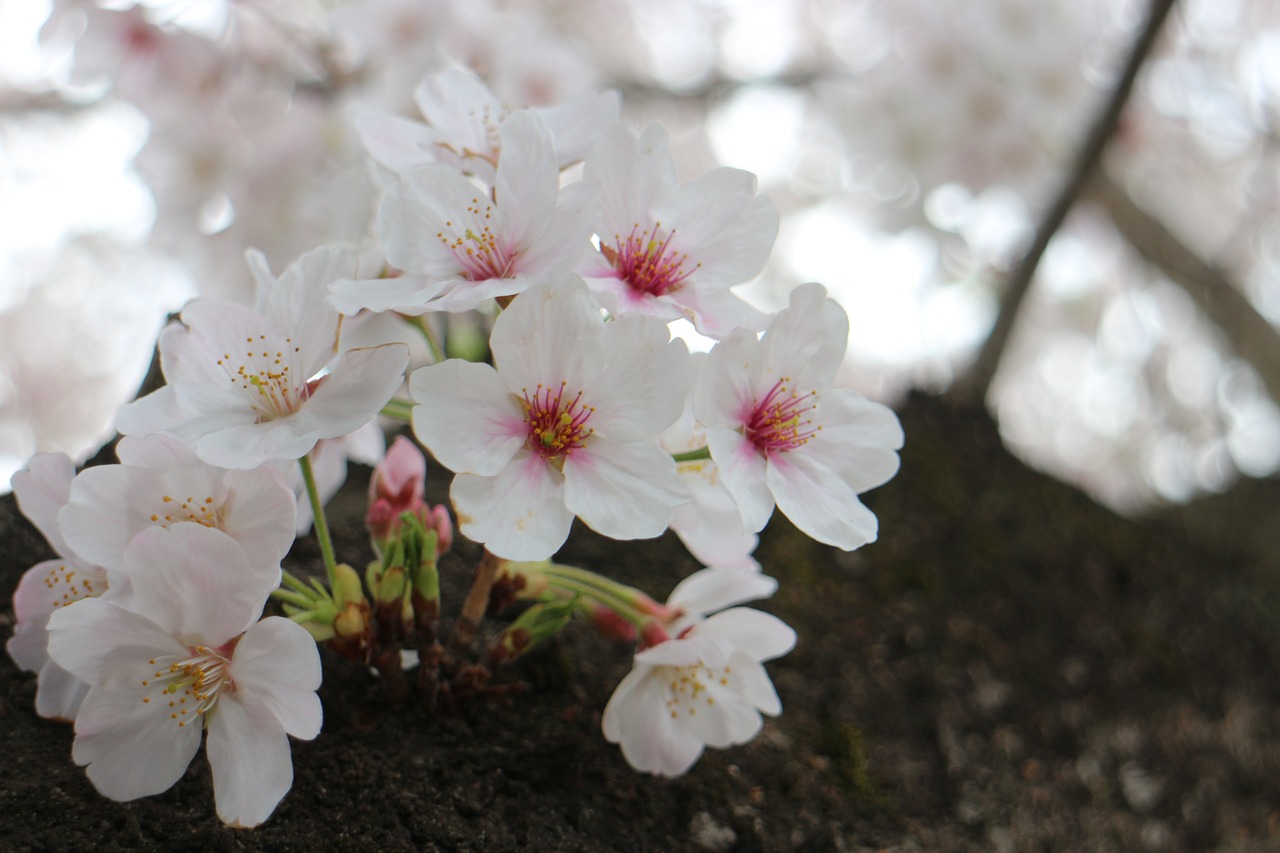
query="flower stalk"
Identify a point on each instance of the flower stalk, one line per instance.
(318, 518)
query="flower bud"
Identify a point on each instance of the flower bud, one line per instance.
(352, 625)
(396, 487)
(531, 627)
(439, 521)
(608, 622)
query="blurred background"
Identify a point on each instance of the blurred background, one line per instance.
(910, 145)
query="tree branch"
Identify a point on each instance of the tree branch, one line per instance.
(1251, 336)
(972, 388)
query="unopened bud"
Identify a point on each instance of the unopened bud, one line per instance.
(395, 488)
(652, 634)
(347, 586)
(352, 622)
(609, 623)
(438, 520)
(530, 628)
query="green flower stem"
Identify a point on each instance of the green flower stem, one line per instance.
(398, 410)
(429, 335)
(294, 598)
(588, 592)
(692, 455)
(631, 597)
(624, 600)
(318, 519)
(300, 586)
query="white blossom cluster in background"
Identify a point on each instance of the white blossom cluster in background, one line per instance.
(907, 149)
(568, 237)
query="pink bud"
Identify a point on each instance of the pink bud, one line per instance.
(400, 476)
(652, 634)
(440, 522)
(395, 487)
(611, 625)
(381, 519)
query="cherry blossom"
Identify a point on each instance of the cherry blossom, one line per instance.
(458, 246)
(246, 387)
(465, 122)
(674, 251)
(41, 490)
(563, 426)
(160, 481)
(715, 588)
(779, 432)
(709, 525)
(189, 654)
(706, 687)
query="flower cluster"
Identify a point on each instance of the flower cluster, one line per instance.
(148, 629)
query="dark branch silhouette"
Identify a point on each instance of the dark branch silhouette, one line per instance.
(973, 386)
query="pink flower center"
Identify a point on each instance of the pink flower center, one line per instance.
(557, 423)
(781, 421)
(648, 264)
(478, 250)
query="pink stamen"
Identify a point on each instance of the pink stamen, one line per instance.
(478, 250)
(556, 426)
(647, 264)
(778, 422)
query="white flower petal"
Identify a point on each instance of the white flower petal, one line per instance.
(528, 179)
(277, 664)
(249, 755)
(636, 174)
(805, 343)
(466, 416)
(262, 513)
(407, 293)
(397, 143)
(158, 451)
(196, 582)
(643, 380)
(132, 749)
(421, 216)
(519, 514)
(649, 740)
(753, 684)
(59, 694)
(541, 338)
(719, 716)
(107, 508)
(576, 123)
(624, 491)
(715, 536)
(723, 395)
(722, 224)
(819, 502)
(42, 589)
(358, 385)
(41, 490)
(102, 643)
(760, 635)
(563, 235)
(742, 470)
(713, 589)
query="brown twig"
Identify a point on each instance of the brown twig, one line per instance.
(973, 387)
(475, 604)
